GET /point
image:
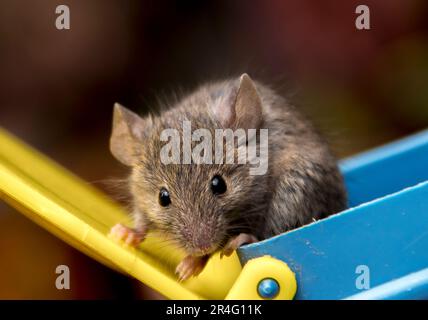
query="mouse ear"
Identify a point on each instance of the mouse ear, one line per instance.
(127, 130)
(241, 107)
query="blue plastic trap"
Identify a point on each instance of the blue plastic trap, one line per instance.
(382, 238)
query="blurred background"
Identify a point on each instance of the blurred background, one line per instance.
(362, 88)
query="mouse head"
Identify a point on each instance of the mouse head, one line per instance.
(197, 205)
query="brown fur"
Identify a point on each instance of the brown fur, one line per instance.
(302, 183)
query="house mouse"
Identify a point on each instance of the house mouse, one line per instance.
(209, 207)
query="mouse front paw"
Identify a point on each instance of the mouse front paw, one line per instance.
(235, 242)
(130, 236)
(190, 266)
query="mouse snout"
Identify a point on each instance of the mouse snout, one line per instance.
(200, 240)
(203, 244)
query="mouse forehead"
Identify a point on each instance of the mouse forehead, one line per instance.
(182, 126)
(186, 177)
(185, 144)
(185, 183)
(182, 178)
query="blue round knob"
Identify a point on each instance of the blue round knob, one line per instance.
(268, 288)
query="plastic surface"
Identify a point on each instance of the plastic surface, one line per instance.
(411, 287)
(386, 230)
(79, 214)
(268, 288)
(388, 234)
(386, 169)
(258, 269)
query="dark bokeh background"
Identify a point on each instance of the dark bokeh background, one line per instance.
(57, 89)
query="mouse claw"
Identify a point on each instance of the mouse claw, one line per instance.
(130, 236)
(190, 266)
(236, 242)
(226, 252)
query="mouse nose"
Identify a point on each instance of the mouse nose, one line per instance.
(203, 243)
(199, 241)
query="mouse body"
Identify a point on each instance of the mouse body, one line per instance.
(212, 206)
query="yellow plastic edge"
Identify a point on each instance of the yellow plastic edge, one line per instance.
(82, 216)
(257, 269)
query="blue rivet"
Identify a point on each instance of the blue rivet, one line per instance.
(268, 288)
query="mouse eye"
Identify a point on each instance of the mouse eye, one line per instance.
(218, 186)
(164, 199)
